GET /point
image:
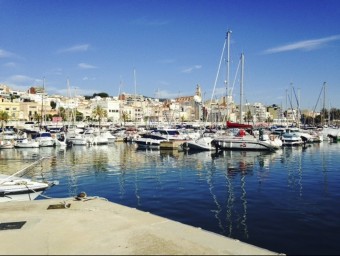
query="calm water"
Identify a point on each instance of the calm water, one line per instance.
(287, 201)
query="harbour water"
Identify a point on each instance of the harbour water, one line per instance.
(286, 201)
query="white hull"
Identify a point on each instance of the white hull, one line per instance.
(6, 144)
(291, 140)
(47, 143)
(229, 144)
(27, 144)
(78, 140)
(148, 143)
(20, 189)
(20, 197)
(203, 144)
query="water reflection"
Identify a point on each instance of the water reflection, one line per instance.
(223, 192)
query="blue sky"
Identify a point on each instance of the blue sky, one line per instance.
(167, 47)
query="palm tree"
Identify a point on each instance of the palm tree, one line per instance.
(125, 116)
(99, 113)
(4, 116)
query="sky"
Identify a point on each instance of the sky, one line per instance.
(165, 48)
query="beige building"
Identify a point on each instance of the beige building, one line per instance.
(12, 108)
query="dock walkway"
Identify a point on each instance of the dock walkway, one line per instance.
(94, 226)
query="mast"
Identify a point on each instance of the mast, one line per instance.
(241, 88)
(135, 99)
(228, 71)
(324, 105)
(228, 61)
(42, 103)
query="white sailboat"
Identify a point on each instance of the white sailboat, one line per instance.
(243, 140)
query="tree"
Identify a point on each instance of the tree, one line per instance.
(125, 116)
(53, 104)
(248, 117)
(99, 113)
(101, 94)
(4, 116)
(79, 116)
(62, 113)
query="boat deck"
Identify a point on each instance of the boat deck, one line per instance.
(94, 226)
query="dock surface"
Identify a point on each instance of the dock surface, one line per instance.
(95, 226)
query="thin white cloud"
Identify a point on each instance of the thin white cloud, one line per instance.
(55, 72)
(306, 45)
(190, 69)
(10, 65)
(165, 94)
(86, 78)
(75, 48)
(20, 79)
(6, 54)
(167, 61)
(21, 82)
(86, 66)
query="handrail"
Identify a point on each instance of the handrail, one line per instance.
(22, 170)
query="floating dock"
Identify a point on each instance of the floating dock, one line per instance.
(94, 226)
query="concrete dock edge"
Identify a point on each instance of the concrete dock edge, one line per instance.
(95, 226)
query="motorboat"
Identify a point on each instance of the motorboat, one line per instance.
(26, 143)
(148, 143)
(6, 144)
(61, 140)
(203, 143)
(147, 140)
(290, 138)
(168, 134)
(76, 139)
(45, 139)
(20, 189)
(245, 141)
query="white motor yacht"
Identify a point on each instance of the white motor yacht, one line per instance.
(45, 139)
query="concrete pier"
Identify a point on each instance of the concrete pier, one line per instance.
(94, 226)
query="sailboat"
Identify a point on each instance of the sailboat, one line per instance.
(244, 139)
(333, 133)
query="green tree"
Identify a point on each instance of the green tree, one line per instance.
(37, 117)
(248, 117)
(99, 113)
(79, 116)
(125, 116)
(101, 94)
(62, 113)
(4, 116)
(53, 104)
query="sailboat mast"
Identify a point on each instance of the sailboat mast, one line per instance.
(135, 106)
(228, 62)
(228, 71)
(324, 105)
(42, 103)
(241, 89)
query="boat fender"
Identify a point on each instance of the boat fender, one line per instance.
(242, 133)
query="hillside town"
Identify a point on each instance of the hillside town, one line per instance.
(37, 106)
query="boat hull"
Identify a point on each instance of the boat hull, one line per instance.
(201, 144)
(229, 144)
(148, 143)
(18, 189)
